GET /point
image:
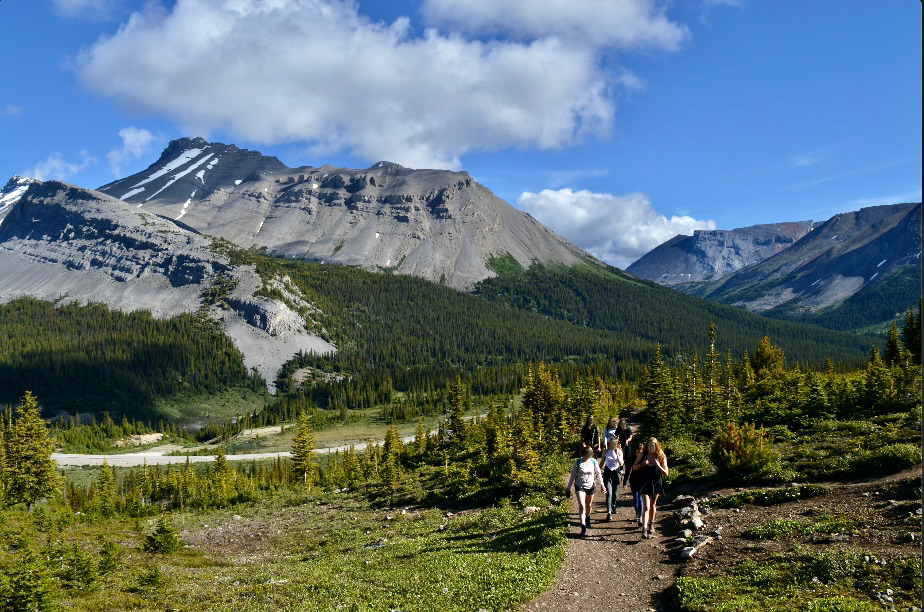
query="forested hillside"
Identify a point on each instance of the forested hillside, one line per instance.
(393, 332)
(87, 358)
(606, 298)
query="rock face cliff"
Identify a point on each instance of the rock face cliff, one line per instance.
(710, 255)
(848, 253)
(60, 242)
(439, 225)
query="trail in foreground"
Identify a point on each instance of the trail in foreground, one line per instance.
(612, 567)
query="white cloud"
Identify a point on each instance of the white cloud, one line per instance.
(616, 229)
(10, 110)
(611, 23)
(57, 169)
(330, 77)
(87, 9)
(135, 143)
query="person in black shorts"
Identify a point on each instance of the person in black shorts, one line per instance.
(653, 467)
(584, 474)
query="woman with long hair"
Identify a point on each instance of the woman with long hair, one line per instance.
(613, 462)
(633, 478)
(653, 467)
(584, 475)
(590, 436)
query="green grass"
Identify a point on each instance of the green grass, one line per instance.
(211, 407)
(768, 497)
(310, 552)
(833, 580)
(822, 524)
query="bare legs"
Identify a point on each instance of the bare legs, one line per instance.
(649, 510)
(585, 503)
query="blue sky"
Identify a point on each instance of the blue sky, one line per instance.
(618, 123)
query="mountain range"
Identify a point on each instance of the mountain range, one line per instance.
(855, 270)
(435, 224)
(210, 228)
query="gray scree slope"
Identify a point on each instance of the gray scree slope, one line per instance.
(62, 242)
(439, 225)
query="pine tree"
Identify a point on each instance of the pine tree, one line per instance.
(420, 439)
(105, 491)
(893, 347)
(391, 463)
(712, 389)
(31, 586)
(911, 332)
(30, 471)
(455, 420)
(304, 456)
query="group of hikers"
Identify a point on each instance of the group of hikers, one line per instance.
(640, 465)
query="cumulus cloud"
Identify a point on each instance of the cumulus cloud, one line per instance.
(616, 229)
(332, 78)
(58, 169)
(613, 23)
(135, 143)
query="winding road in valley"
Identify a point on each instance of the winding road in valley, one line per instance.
(155, 457)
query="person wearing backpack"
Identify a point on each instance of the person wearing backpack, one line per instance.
(613, 462)
(584, 474)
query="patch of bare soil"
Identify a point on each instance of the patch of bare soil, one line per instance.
(139, 439)
(884, 526)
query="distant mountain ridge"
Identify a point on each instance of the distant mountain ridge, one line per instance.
(711, 254)
(439, 225)
(853, 252)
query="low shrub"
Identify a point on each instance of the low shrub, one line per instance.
(164, 540)
(742, 454)
(835, 565)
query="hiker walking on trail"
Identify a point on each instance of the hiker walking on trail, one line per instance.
(624, 432)
(613, 462)
(653, 467)
(609, 432)
(590, 436)
(584, 475)
(634, 478)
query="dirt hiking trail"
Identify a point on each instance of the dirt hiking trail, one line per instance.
(612, 567)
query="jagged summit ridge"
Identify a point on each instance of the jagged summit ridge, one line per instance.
(437, 224)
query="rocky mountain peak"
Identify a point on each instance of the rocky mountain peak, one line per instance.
(437, 224)
(711, 254)
(14, 189)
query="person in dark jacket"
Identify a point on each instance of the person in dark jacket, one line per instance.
(590, 436)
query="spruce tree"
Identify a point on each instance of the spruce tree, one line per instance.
(304, 456)
(893, 347)
(455, 420)
(105, 491)
(30, 471)
(912, 334)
